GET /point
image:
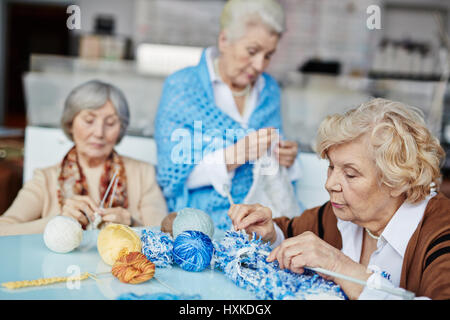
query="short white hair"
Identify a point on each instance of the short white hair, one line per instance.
(237, 14)
(93, 95)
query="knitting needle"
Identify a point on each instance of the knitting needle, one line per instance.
(226, 189)
(113, 193)
(408, 295)
(107, 190)
(98, 218)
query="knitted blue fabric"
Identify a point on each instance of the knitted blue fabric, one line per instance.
(187, 98)
(156, 296)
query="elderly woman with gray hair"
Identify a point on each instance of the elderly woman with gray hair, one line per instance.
(228, 111)
(385, 222)
(95, 118)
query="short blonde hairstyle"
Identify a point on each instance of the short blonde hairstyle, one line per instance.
(236, 14)
(407, 156)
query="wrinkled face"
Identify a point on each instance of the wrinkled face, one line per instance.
(356, 193)
(246, 58)
(95, 132)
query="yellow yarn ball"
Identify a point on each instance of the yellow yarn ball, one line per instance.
(114, 240)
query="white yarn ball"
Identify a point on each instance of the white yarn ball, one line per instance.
(190, 219)
(63, 234)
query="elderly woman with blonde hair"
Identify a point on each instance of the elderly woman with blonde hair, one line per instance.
(384, 223)
(95, 118)
(229, 110)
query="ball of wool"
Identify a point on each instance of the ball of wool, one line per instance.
(113, 239)
(62, 234)
(133, 268)
(192, 250)
(157, 247)
(193, 219)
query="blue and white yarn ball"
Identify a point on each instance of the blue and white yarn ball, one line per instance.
(244, 262)
(157, 246)
(193, 219)
(193, 250)
(157, 296)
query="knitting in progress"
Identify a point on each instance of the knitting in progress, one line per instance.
(243, 261)
(187, 107)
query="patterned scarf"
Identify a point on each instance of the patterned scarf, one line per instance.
(72, 181)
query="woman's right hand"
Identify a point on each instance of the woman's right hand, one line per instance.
(250, 148)
(253, 218)
(77, 206)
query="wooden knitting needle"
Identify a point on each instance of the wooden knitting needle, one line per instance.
(226, 189)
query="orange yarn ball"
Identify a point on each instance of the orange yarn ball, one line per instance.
(133, 268)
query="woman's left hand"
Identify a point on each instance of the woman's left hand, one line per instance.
(116, 215)
(286, 152)
(306, 249)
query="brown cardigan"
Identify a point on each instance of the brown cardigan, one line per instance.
(426, 265)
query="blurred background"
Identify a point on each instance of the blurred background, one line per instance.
(328, 61)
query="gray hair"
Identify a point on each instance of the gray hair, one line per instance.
(93, 95)
(237, 13)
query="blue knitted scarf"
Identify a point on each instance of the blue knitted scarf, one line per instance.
(189, 125)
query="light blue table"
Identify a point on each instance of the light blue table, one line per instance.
(26, 257)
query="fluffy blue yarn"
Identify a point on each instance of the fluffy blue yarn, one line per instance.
(157, 246)
(244, 262)
(157, 296)
(193, 250)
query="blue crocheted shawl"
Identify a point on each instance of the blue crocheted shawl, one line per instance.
(189, 125)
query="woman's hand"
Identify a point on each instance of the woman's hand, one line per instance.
(167, 223)
(286, 152)
(253, 218)
(116, 215)
(78, 207)
(308, 250)
(250, 148)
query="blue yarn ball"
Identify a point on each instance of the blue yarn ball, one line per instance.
(192, 250)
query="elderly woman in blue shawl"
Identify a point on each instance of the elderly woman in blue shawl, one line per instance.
(215, 119)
